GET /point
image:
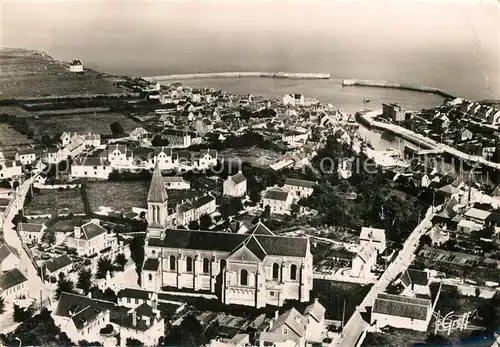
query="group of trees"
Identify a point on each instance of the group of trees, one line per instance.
(189, 333)
(230, 207)
(20, 314)
(19, 124)
(203, 223)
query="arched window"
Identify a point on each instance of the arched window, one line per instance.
(276, 271)
(293, 272)
(172, 262)
(244, 278)
(150, 277)
(189, 264)
(206, 265)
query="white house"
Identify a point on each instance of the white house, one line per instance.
(120, 156)
(91, 167)
(315, 321)
(10, 168)
(26, 155)
(278, 200)
(294, 136)
(81, 317)
(364, 261)
(31, 233)
(13, 284)
(401, 312)
(76, 66)
(293, 99)
(142, 323)
(9, 258)
(374, 236)
(299, 188)
(60, 265)
(176, 183)
(193, 210)
(90, 238)
(235, 185)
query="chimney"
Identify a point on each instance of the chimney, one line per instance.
(78, 232)
(134, 318)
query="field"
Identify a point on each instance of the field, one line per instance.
(96, 123)
(122, 196)
(10, 137)
(119, 196)
(51, 201)
(26, 73)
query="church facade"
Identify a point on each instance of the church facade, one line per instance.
(253, 269)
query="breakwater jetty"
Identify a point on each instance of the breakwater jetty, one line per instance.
(396, 85)
(432, 147)
(287, 75)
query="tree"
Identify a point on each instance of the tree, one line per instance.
(254, 196)
(294, 210)
(63, 285)
(2, 305)
(46, 140)
(84, 280)
(85, 343)
(131, 342)
(205, 221)
(230, 207)
(120, 261)
(193, 225)
(137, 252)
(5, 184)
(267, 212)
(116, 128)
(49, 237)
(104, 265)
(20, 314)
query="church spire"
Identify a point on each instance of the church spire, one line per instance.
(157, 191)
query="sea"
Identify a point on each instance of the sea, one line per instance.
(451, 45)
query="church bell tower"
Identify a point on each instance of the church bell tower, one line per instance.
(157, 205)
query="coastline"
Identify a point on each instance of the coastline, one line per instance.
(396, 85)
(286, 75)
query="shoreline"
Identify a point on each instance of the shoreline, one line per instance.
(284, 75)
(432, 146)
(396, 85)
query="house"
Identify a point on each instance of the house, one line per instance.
(299, 188)
(466, 134)
(176, 183)
(207, 158)
(142, 323)
(493, 219)
(10, 168)
(294, 136)
(181, 138)
(26, 155)
(401, 312)
(81, 317)
(193, 210)
(293, 328)
(278, 200)
(60, 265)
(293, 99)
(344, 169)
(235, 185)
(393, 112)
(13, 284)
(467, 226)
(120, 156)
(132, 298)
(91, 167)
(477, 215)
(76, 66)
(364, 261)
(90, 238)
(6, 193)
(9, 258)
(415, 282)
(31, 233)
(373, 236)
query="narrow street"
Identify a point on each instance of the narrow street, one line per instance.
(355, 326)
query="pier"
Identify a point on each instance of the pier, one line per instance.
(432, 147)
(285, 75)
(397, 85)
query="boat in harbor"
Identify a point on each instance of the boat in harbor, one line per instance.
(366, 100)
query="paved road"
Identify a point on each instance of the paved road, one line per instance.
(11, 238)
(356, 325)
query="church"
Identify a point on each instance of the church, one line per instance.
(255, 269)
